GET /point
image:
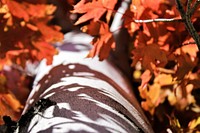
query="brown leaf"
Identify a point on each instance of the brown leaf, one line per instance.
(150, 56)
(185, 65)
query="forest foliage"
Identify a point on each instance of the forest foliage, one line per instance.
(164, 50)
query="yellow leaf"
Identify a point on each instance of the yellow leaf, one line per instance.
(194, 123)
(168, 79)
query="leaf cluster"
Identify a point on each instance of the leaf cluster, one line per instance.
(164, 49)
(25, 36)
(25, 32)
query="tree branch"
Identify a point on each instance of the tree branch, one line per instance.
(188, 23)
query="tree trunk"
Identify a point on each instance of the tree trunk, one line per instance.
(85, 95)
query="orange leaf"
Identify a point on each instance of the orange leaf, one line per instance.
(145, 77)
(103, 43)
(154, 5)
(17, 40)
(45, 50)
(17, 10)
(50, 34)
(190, 49)
(39, 10)
(18, 56)
(151, 95)
(93, 10)
(9, 106)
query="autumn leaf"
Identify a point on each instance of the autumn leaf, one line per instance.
(44, 49)
(145, 77)
(2, 83)
(150, 56)
(190, 49)
(94, 10)
(194, 123)
(17, 9)
(13, 92)
(103, 42)
(152, 96)
(9, 106)
(39, 10)
(174, 122)
(185, 65)
(168, 79)
(30, 26)
(18, 57)
(50, 34)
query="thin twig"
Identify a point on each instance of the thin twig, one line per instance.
(149, 21)
(158, 20)
(118, 20)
